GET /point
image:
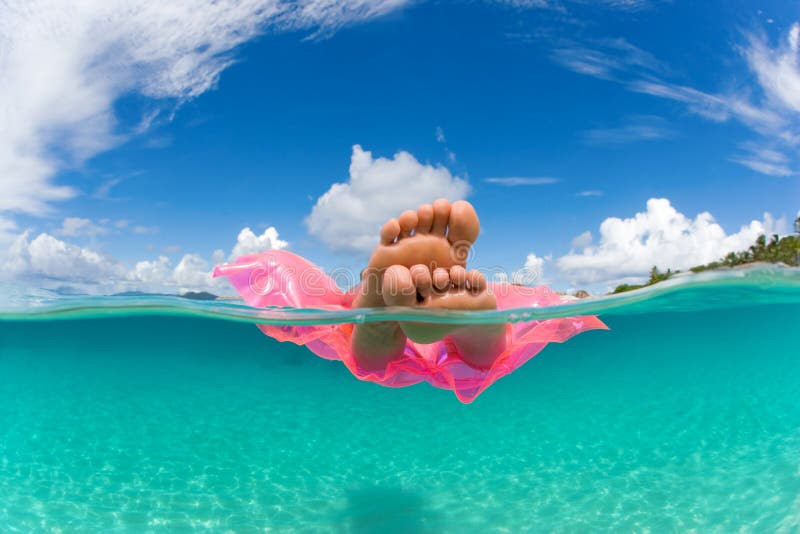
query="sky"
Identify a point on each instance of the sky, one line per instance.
(143, 142)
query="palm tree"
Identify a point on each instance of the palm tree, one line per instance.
(759, 248)
(797, 241)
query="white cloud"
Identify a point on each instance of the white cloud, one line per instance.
(104, 191)
(590, 193)
(608, 59)
(64, 65)
(249, 243)
(513, 181)
(442, 140)
(192, 273)
(142, 230)
(773, 117)
(621, 5)
(716, 107)
(46, 260)
(778, 70)
(80, 227)
(151, 273)
(8, 231)
(628, 5)
(764, 160)
(660, 236)
(349, 215)
(532, 273)
(581, 241)
(764, 167)
(76, 226)
(586, 61)
(525, 4)
(638, 128)
(48, 257)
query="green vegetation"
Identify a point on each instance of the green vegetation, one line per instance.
(783, 250)
(656, 276)
(776, 250)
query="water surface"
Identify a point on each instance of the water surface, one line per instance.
(157, 414)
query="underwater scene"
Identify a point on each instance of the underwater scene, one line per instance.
(152, 413)
(399, 266)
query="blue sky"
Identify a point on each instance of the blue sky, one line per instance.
(140, 147)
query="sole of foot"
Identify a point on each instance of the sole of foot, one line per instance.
(447, 289)
(436, 235)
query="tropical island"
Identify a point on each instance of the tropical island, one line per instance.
(778, 249)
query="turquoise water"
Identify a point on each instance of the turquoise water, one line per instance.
(157, 414)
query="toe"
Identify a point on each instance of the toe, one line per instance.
(421, 276)
(441, 279)
(425, 217)
(476, 281)
(458, 276)
(398, 287)
(441, 215)
(408, 221)
(390, 232)
(463, 228)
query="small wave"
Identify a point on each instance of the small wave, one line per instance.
(734, 288)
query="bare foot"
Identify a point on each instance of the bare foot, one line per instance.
(453, 289)
(437, 235)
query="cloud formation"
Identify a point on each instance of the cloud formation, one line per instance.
(764, 160)
(8, 230)
(621, 5)
(77, 226)
(531, 273)
(513, 181)
(349, 215)
(47, 260)
(778, 69)
(65, 64)
(248, 242)
(632, 130)
(660, 236)
(48, 257)
(581, 241)
(609, 59)
(442, 140)
(769, 109)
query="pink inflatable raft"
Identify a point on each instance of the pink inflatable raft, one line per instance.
(280, 278)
